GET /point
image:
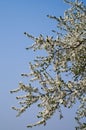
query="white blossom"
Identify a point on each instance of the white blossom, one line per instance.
(65, 55)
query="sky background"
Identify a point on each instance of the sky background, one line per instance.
(17, 17)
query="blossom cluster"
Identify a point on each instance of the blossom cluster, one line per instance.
(64, 55)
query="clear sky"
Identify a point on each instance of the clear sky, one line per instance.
(16, 17)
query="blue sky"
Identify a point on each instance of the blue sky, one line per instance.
(16, 17)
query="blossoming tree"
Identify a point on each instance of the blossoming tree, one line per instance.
(63, 55)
